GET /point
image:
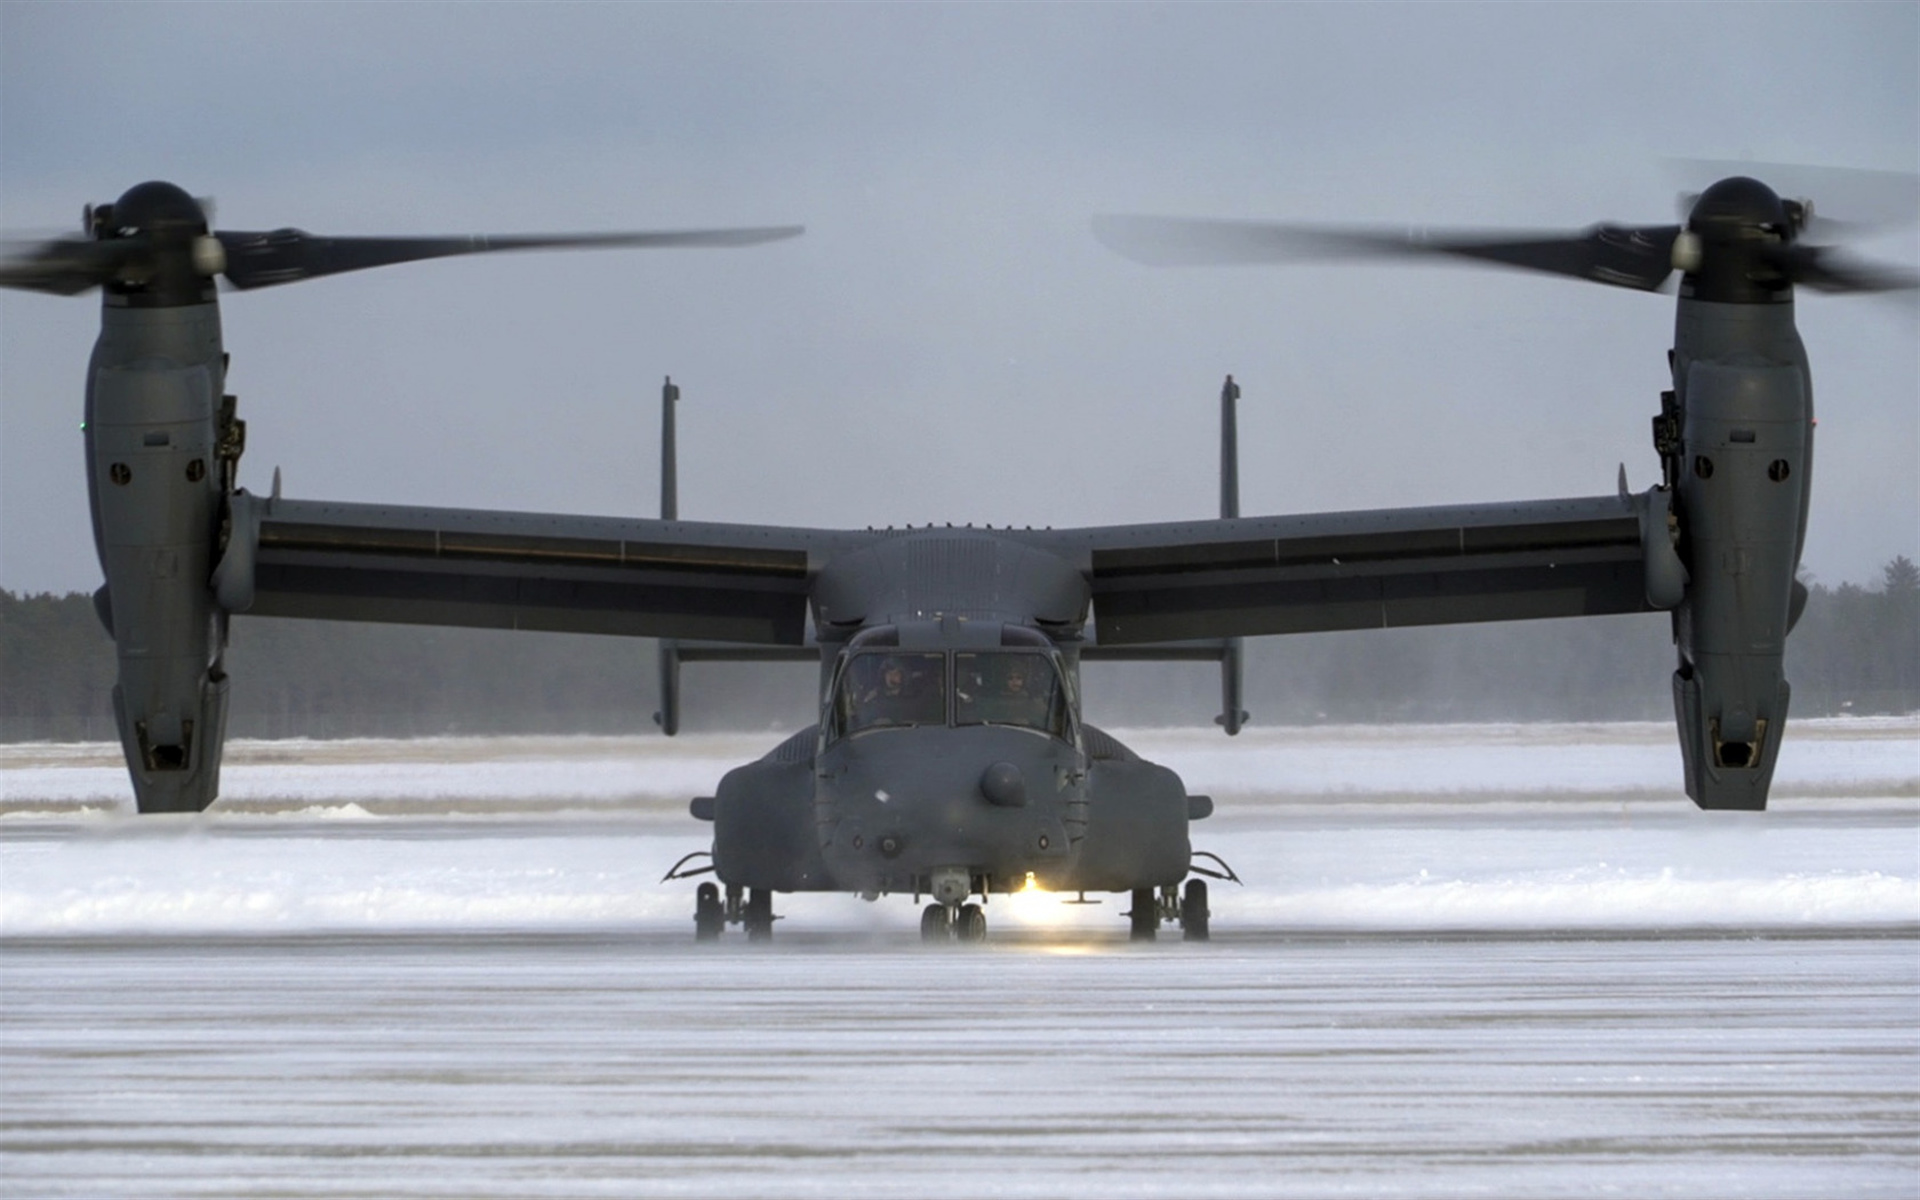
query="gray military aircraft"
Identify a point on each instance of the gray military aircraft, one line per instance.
(950, 759)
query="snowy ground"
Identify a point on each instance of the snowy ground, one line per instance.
(1425, 827)
(1490, 960)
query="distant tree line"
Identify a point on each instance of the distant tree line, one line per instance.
(1856, 649)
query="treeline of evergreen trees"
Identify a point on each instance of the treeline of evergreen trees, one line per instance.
(1856, 649)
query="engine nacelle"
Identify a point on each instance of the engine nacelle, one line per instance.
(1742, 489)
(153, 398)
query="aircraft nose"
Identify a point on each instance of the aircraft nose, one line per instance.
(1003, 784)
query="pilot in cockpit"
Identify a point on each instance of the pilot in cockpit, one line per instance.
(1017, 696)
(896, 695)
(891, 684)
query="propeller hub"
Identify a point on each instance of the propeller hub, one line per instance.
(209, 256)
(161, 210)
(1686, 251)
(1740, 204)
(1736, 230)
(164, 259)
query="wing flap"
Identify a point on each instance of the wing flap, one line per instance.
(360, 562)
(1270, 575)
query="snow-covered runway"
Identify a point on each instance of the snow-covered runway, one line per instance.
(1502, 960)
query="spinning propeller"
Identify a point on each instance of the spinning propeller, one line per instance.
(155, 237)
(1738, 237)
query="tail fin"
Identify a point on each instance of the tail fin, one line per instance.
(668, 718)
(1232, 716)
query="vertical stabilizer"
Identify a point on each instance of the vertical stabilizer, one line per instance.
(669, 453)
(668, 718)
(1232, 716)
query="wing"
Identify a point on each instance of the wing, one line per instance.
(1179, 582)
(503, 570)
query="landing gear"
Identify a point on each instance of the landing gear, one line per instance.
(709, 915)
(1145, 915)
(1193, 912)
(936, 923)
(970, 924)
(712, 915)
(953, 923)
(1189, 909)
(1172, 904)
(758, 915)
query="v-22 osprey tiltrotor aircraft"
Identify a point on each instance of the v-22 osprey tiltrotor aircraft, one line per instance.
(950, 759)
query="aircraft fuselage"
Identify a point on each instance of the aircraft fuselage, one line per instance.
(950, 758)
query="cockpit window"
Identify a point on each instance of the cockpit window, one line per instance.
(883, 690)
(1008, 689)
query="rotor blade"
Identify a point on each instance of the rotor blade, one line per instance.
(1820, 268)
(1857, 199)
(1818, 224)
(1625, 256)
(64, 266)
(285, 255)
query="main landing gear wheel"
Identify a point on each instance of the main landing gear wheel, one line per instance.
(965, 923)
(970, 924)
(1145, 915)
(936, 923)
(709, 915)
(1193, 912)
(758, 916)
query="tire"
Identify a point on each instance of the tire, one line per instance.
(709, 915)
(1145, 915)
(1193, 912)
(936, 923)
(970, 924)
(759, 915)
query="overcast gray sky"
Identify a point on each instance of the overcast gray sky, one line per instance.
(947, 342)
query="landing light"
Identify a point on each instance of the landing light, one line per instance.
(1032, 907)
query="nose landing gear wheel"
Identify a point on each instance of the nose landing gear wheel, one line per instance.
(936, 923)
(709, 915)
(970, 924)
(1193, 912)
(1145, 915)
(759, 915)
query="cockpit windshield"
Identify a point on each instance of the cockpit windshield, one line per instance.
(891, 689)
(895, 689)
(1008, 688)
